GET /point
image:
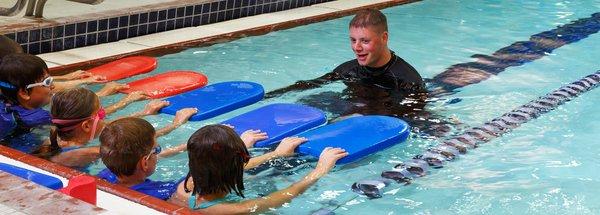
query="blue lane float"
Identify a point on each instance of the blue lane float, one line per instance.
(216, 99)
(278, 121)
(359, 136)
(36, 177)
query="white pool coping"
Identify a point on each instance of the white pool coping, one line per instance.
(113, 204)
(153, 41)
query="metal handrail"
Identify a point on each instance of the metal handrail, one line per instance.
(14, 10)
(35, 8)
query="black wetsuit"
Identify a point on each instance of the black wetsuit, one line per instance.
(382, 90)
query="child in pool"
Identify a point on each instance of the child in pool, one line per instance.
(25, 87)
(129, 150)
(217, 157)
(68, 81)
(79, 118)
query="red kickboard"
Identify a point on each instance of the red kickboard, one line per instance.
(168, 83)
(125, 67)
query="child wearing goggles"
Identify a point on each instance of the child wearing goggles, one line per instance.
(25, 88)
(78, 118)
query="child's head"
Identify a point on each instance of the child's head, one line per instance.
(217, 157)
(75, 113)
(77, 110)
(8, 46)
(24, 80)
(128, 147)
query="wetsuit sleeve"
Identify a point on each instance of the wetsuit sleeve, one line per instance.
(307, 84)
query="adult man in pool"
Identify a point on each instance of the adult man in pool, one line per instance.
(378, 81)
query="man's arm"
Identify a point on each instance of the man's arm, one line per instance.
(306, 85)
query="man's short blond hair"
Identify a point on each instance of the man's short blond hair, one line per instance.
(370, 18)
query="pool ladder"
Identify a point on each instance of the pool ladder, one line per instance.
(451, 148)
(35, 8)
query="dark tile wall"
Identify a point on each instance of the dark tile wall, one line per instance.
(74, 35)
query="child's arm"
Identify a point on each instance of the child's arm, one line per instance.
(78, 157)
(131, 97)
(250, 137)
(284, 149)
(65, 85)
(79, 74)
(111, 88)
(181, 117)
(173, 151)
(326, 162)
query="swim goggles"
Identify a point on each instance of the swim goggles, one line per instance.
(73, 123)
(155, 151)
(46, 83)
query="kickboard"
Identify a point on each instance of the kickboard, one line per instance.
(279, 121)
(216, 99)
(125, 67)
(36, 177)
(168, 83)
(359, 136)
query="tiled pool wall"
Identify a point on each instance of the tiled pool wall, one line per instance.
(63, 36)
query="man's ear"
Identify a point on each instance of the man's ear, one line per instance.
(23, 94)
(385, 36)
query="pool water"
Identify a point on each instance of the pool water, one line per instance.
(547, 166)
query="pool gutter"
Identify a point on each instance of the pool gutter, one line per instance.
(176, 40)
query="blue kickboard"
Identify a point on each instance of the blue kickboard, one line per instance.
(359, 136)
(36, 177)
(279, 121)
(216, 99)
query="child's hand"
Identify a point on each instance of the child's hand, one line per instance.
(79, 74)
(112, 88)
(250, 137)
(94, 79)
(328, 158)
(182, 116)
(136, 96)
(154, 106)
(288, 145)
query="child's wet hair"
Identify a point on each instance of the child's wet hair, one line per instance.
(8, 46)
(217, 157)
(74, 104)
(124, 142)
(19, 70)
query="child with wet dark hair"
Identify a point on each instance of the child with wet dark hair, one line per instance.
(68, 81)
(78, 118)
(217, 158)
(25, 87)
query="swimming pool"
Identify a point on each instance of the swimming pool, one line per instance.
(545, 166)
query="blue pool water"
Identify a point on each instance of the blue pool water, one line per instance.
(547, 166)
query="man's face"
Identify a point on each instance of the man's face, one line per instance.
(369, 46)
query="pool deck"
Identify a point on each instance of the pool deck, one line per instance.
(13, 199)
(175, 40)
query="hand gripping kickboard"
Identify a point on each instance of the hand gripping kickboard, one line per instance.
(278, 121)
(359, 136)
(216, 99)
